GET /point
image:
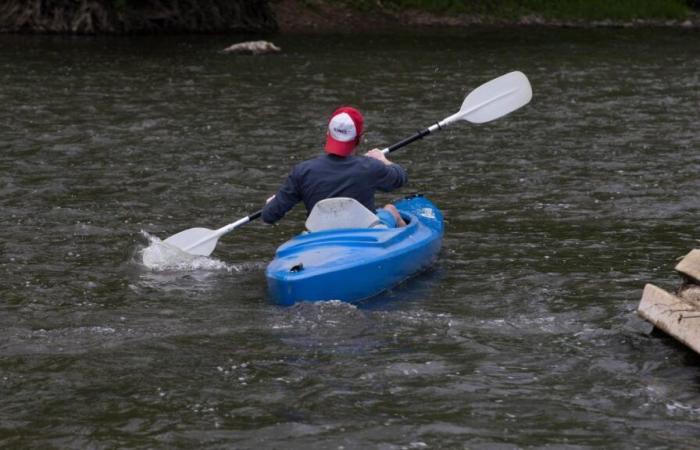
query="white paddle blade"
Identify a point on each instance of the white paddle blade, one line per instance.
(195, 241)
(496, 98)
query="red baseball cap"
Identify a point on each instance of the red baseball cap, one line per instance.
(344, 131)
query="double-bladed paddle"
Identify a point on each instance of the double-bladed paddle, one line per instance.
(488, 102)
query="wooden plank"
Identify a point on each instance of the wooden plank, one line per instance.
(671, 314)
(690, 293)
(690, 265)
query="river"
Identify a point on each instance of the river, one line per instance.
(523, 335)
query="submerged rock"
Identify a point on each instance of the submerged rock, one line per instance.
(253, 48)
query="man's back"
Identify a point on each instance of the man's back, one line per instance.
(328, 176)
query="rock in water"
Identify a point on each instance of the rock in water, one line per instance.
(253, 48)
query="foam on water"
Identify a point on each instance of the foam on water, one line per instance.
(159, 256)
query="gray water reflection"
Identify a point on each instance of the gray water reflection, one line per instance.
(524, 334)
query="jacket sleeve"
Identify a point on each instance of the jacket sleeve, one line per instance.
(390, 177)
(285, 199)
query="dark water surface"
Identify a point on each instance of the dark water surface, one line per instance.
(523, 335)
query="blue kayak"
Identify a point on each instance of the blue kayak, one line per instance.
(352, 264)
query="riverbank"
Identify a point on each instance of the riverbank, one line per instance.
(307, 16)
(324, 16)
(125, 17)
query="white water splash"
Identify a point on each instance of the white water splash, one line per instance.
(159, 256)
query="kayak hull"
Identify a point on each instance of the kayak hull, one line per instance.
(353, 264)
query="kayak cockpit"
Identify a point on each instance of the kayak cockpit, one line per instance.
(350, 237)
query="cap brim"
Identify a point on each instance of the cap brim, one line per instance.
(339, 148)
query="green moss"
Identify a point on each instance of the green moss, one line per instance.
(551, 9)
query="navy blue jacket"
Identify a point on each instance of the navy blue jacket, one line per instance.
(328, 176)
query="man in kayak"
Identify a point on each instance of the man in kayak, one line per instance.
(339, 173)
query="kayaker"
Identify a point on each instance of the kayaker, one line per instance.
(339, 173)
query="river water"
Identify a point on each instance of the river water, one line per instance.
(524, 334)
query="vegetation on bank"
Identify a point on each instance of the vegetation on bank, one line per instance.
(582, 10)
(129, 16)
(137, 16)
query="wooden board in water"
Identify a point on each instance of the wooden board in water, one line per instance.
(673, 315)
(690, 265)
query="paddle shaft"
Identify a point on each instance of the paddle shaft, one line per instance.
(238, 223)
(419, 135)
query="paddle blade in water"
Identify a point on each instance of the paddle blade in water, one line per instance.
(195, 241)
(496, 98)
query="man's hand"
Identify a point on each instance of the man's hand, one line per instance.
(378, 155)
